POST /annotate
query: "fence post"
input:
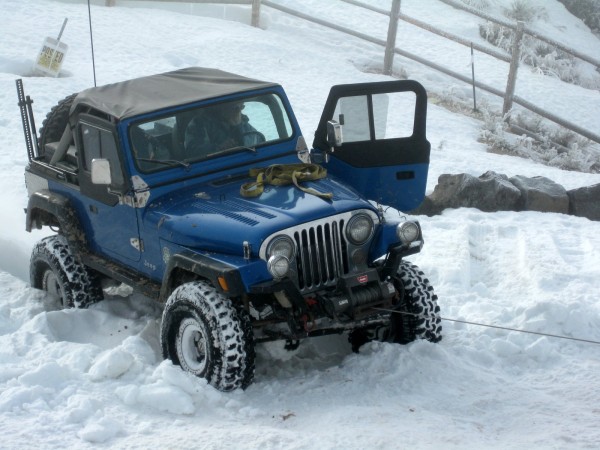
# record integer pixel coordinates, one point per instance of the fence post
(473, 78)
(388, 60)
(110, 2)
(512, 72)
(255, 22)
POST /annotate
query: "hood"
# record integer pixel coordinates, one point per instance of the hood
(215, 217)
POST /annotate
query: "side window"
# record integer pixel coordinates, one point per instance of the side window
(100, 143)
(267, 114)
(259, 115)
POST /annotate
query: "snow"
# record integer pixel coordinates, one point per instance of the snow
(95, 378)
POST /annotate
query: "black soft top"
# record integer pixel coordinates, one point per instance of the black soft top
(180, 87)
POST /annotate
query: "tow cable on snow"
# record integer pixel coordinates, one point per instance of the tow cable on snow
(589, 341)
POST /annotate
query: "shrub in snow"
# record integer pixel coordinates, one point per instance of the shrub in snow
(524, 11)
(542, 57)
(527, 135)
(533, 138)
(586, 10)
(477, 4)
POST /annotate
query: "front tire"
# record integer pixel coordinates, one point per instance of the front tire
(417, 299)
(54, 269)
(206, 335)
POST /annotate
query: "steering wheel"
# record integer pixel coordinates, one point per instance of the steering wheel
(258, 137)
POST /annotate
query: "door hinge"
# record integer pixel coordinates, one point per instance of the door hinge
(137, 243)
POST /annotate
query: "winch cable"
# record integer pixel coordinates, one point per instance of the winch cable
(498, 327)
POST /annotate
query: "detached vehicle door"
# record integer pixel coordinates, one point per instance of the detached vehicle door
(383, 151)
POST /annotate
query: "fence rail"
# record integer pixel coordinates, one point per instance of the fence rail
(526, 30)
(390, 47)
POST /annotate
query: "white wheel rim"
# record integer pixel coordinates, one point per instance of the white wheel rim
(191, 345)
(51, 285)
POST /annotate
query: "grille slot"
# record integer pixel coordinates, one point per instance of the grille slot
(321, 255)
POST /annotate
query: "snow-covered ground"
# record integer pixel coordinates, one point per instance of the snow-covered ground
(94, 378)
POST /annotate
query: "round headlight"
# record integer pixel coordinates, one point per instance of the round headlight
(278, 266)
(407, 232)
(281, 245)
(359, 229)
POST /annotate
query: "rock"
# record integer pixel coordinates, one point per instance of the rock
(585, 202)
(489, 192)
(496, 192)
(426, 208)
(541, 194)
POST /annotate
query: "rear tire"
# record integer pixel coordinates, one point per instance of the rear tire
(206, 335)
(54, 269)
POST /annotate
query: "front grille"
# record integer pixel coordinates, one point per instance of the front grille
(322, 254)
(322, 251)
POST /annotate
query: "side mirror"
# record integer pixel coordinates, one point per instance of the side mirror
(101, 172)
(334, 134)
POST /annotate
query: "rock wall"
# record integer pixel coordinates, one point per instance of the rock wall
(496, 192)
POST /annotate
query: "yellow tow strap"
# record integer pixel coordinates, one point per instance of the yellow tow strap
(282, 175)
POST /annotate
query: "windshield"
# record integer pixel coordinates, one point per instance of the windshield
(210, 131)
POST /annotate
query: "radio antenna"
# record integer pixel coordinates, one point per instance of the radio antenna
(92, 41)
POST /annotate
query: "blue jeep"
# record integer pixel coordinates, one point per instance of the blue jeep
(196, 188)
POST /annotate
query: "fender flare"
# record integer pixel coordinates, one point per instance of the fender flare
(202, 266)
(52, 209)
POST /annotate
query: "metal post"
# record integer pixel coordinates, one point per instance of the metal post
(92, 41)
(512, 73)
(58, 43)
(255, 21)
(473, 78)
(388, 60)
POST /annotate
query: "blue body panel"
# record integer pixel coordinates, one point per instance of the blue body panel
(252, 271)
(219, 219)
(383, 185)
(104, 226)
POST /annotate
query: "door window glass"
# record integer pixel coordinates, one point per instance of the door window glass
(100, 143)
(353, 114)
(392, 116)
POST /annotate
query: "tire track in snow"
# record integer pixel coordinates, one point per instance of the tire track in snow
(491, 243)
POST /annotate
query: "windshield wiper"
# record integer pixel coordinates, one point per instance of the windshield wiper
(232, 150)
(167, 162)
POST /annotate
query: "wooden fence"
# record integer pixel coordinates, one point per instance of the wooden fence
(391, 50)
